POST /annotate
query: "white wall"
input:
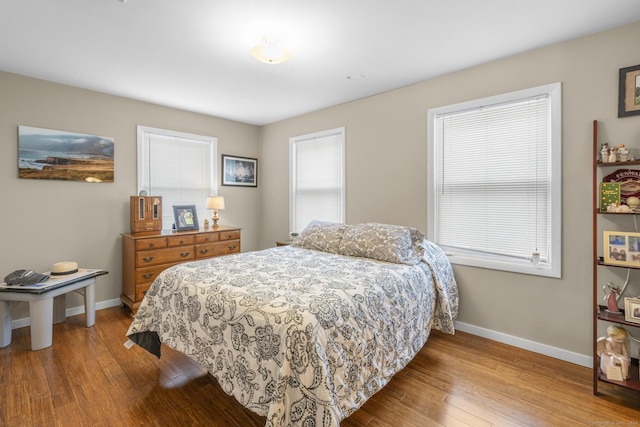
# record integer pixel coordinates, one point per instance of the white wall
(386, 168)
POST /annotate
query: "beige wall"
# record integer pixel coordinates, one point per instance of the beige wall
(47, 221)
(386, 168)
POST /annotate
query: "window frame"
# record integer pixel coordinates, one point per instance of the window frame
(293, 172)
(144, 133)
(553, 268)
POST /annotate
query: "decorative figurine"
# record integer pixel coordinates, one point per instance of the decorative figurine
(613, 155)
(604, 152)
(623, 152)
(613, 351)
(206, 223)
(617, 208)
(611, 294)
(633, 202)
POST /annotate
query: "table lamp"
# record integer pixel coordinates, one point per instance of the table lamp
(215, 203)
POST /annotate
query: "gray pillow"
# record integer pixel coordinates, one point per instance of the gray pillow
(384, 242)
(321, 236)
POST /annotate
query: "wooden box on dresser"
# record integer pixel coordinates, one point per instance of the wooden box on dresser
(145, 255)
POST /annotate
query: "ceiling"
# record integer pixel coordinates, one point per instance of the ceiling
(194, 54)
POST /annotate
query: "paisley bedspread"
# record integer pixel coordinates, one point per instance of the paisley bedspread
(301, 336)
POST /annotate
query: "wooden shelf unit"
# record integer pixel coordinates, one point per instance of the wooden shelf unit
(600, 314)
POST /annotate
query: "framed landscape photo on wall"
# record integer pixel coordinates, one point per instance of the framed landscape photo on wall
(621, 248)
(64, 156)
(185, 217)
(239, 171)
(629, 91)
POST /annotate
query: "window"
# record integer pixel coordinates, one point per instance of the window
(178, 166)
(316, 178)
(494, 192)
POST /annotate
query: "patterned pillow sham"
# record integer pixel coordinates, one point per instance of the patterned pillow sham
(384, 242)
(321, 236)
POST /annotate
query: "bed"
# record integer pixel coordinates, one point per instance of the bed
(304, 334)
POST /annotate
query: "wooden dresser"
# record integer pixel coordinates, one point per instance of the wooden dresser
(145, 255)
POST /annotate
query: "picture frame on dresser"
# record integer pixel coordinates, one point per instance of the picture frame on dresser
(186, 217)
(629, 91)
(632, 310)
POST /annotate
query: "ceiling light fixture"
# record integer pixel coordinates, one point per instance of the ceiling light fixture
(270, 51)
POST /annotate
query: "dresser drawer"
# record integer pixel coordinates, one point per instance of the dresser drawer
(154, 243)
(230, 235)
(207, 237)
(164, 256)
(141, 290)
(180, 240)
(205, 250)
(208, 250)
(149, 274)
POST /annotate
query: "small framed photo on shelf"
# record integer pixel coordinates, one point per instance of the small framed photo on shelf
(632, 309)
(239, 171)
(629, 91)
(185, 217)
(621, 248)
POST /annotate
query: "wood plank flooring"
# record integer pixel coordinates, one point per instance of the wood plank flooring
(88, 378)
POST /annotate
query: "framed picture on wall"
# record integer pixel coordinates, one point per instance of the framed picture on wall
(239, 171)
(629, 91)
(64, 156)
(185, 217)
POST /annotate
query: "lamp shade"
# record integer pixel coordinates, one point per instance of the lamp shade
(215, 202)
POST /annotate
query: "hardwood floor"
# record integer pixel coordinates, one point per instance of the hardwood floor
(88, 378)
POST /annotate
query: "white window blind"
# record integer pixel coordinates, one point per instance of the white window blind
(178, 166)
(496, 183)
(316, 178)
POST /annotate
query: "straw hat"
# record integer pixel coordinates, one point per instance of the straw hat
(65, 267)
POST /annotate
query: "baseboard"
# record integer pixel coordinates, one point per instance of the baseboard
(72, 311)
(557, 353)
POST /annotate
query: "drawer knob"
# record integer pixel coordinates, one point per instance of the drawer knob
(185, 254)
(151, 245)
(148, 259)
(148, 275)
(144, 292)
(204, 251)
(182, 242)
(232, 247)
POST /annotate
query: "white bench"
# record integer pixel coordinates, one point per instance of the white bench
(47, 305)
